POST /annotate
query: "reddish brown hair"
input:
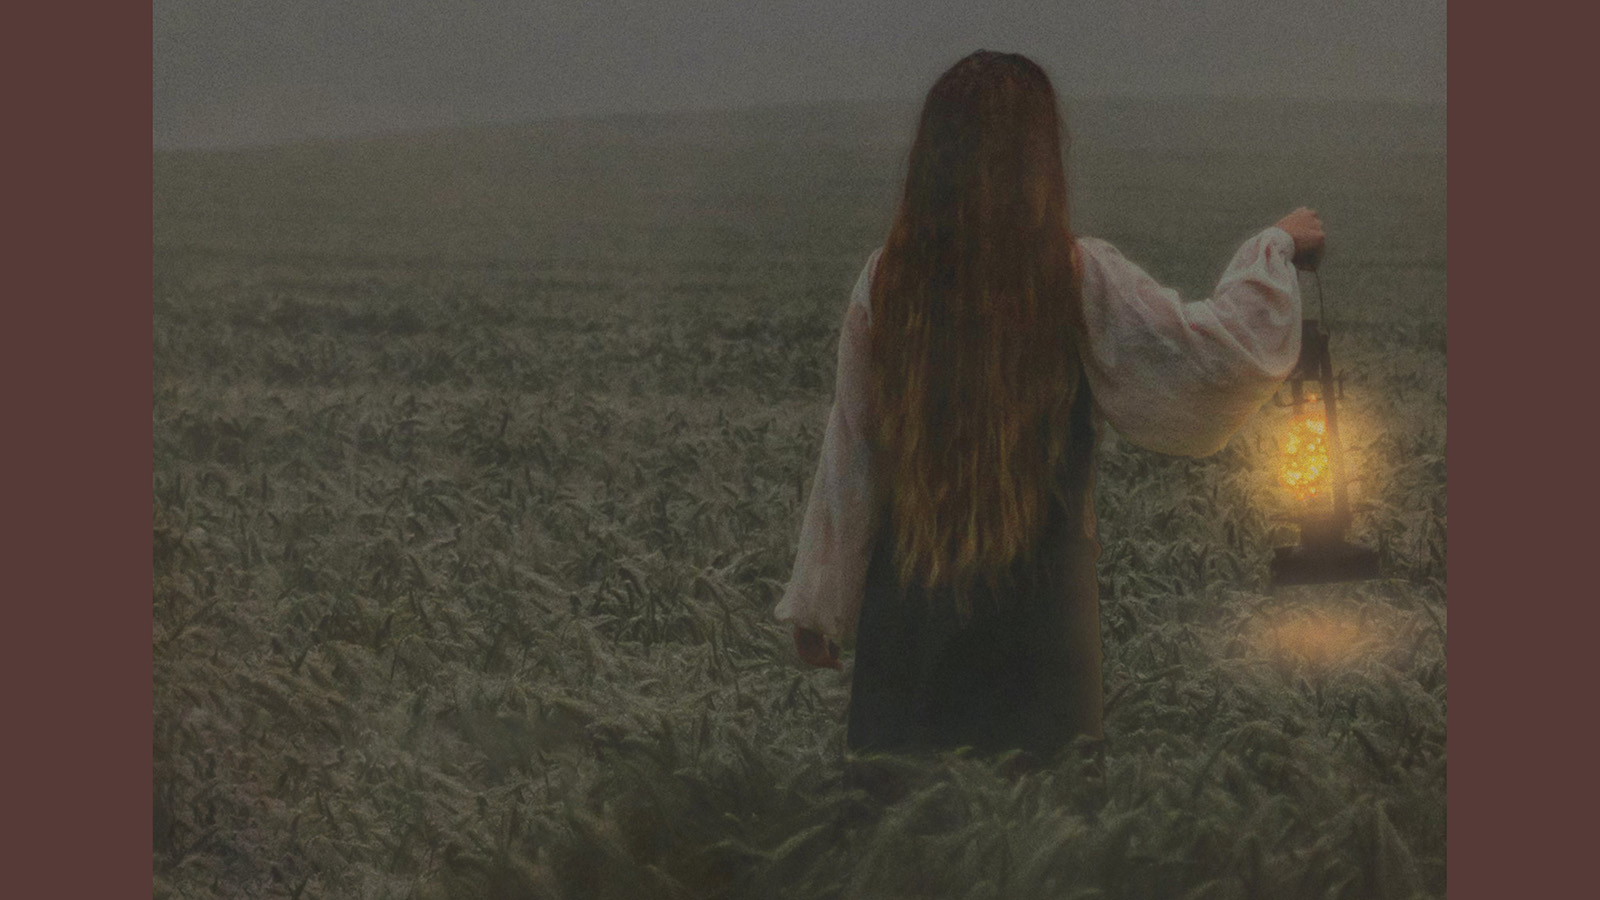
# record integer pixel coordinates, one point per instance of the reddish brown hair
(976, 316)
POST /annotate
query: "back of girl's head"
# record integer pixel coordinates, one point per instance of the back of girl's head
(974, 305)
(989, 146)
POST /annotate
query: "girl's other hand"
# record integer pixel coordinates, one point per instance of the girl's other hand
(1306, 228)
(815, 648)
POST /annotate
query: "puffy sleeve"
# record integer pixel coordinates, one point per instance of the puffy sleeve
(1181, 378)
(830, 569)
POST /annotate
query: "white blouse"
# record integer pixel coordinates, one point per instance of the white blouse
(1169, 376)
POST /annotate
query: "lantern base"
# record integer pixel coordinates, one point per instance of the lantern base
(1321, 563)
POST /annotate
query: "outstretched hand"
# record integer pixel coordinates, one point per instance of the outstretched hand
(1306, 228)
(816, 649)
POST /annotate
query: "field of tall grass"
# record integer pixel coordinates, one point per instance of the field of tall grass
(479, 462)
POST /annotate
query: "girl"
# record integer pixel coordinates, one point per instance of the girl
(950, 524)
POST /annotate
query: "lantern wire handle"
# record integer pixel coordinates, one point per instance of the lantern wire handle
(1322, 312)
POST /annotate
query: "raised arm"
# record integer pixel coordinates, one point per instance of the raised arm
(825, 591)
(1181, 378)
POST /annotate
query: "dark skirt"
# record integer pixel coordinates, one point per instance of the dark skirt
(1022, 672)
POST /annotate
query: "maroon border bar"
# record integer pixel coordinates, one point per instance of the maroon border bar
(78, 360)
(1521, 334)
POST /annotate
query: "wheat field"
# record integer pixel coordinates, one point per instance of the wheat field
(479, 462)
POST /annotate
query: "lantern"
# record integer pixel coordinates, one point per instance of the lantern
(1313, 472)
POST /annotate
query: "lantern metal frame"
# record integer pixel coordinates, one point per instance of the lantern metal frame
(1322, 555)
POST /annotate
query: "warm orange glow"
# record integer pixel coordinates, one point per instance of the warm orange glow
(1316, 639)
(1305, 466)
(1316, 629)
(1328, 636)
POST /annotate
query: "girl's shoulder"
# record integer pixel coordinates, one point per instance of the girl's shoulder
(1087, 250)
(861, 294)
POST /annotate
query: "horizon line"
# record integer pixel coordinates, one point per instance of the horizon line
(332, 137)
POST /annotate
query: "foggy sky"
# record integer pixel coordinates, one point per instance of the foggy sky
(250, 71)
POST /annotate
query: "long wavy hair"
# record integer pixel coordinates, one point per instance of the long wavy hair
(976, 322)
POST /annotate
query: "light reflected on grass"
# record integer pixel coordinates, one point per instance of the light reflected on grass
(1323, 635)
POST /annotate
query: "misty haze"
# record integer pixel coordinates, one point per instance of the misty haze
(492, 356)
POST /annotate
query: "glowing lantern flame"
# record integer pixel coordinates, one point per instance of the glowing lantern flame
(1305, 466)
(1314, 473)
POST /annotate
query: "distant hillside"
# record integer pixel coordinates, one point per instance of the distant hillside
(1175, 182)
